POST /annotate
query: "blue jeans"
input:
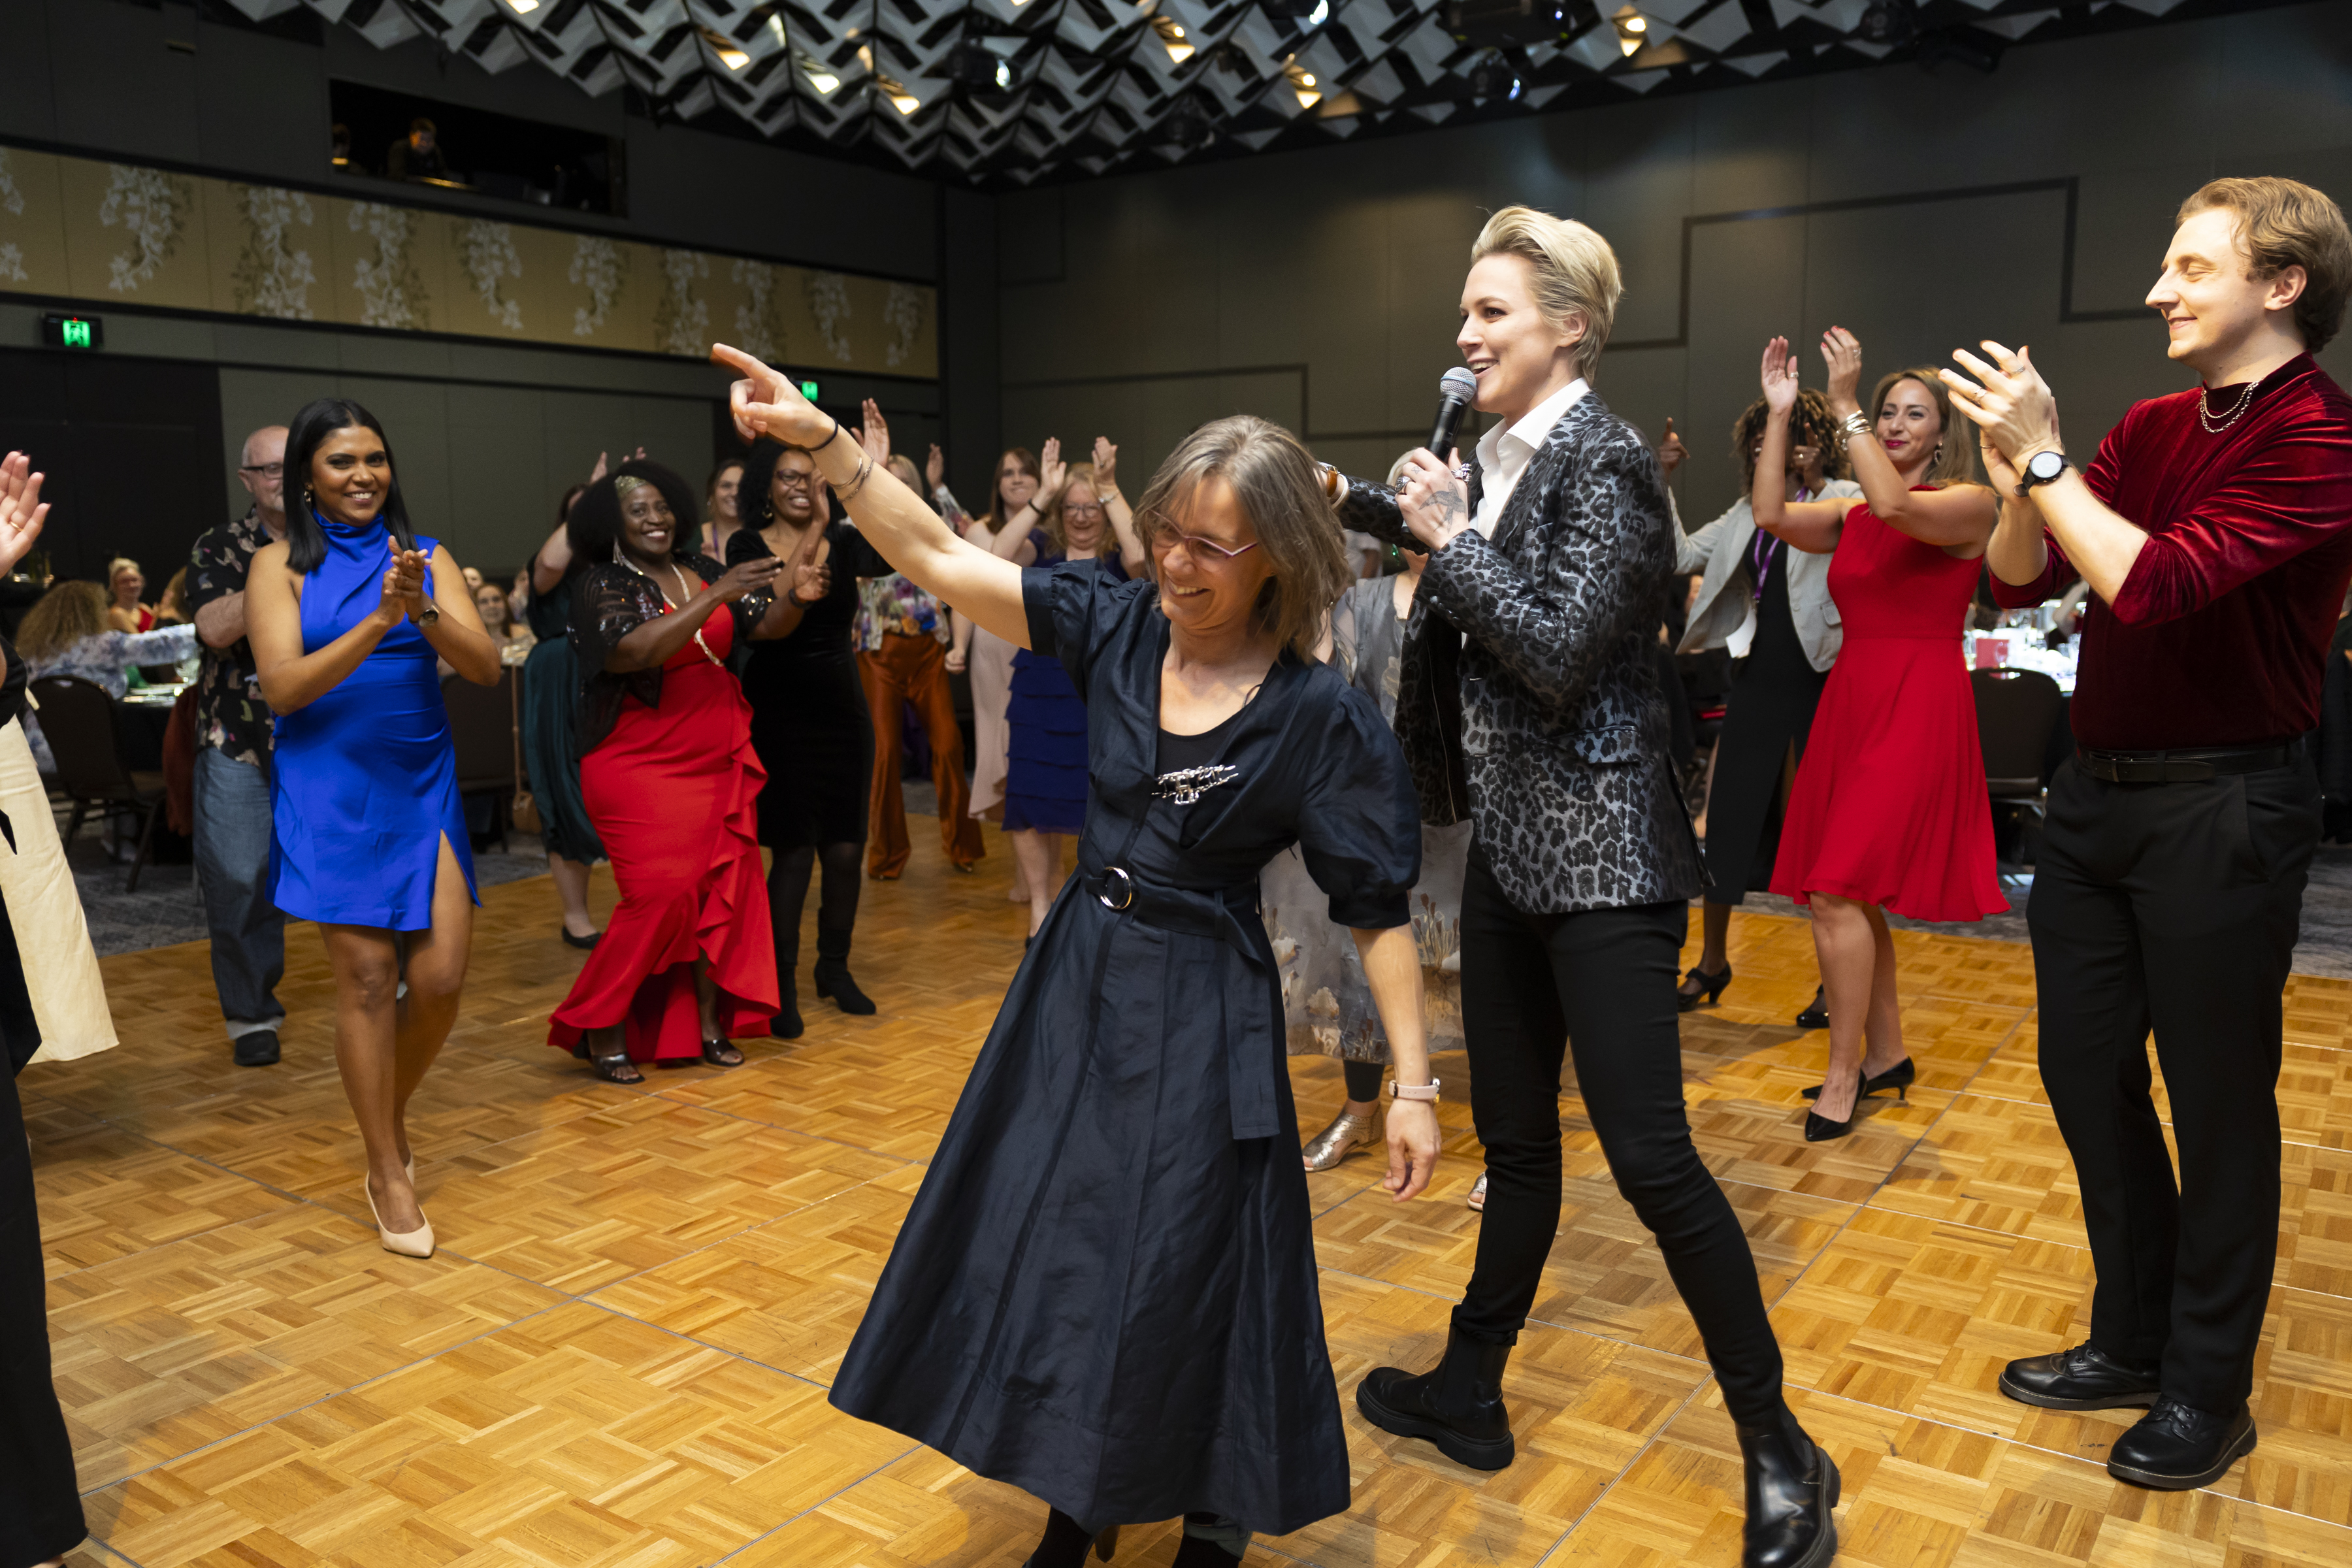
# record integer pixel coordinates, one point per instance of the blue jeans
(248, 935)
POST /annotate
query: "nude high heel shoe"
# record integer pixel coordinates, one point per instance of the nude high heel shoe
(418, 1243)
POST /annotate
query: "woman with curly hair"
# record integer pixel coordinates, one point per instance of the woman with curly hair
(1770, 607)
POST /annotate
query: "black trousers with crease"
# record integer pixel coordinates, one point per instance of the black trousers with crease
(2173, 906)
(1599, 983)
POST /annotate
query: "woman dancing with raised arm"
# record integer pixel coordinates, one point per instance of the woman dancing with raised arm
(1106, 1290)
(346, 616)
(1889, 808)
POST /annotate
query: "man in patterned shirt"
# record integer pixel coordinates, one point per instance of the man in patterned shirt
(232, 749)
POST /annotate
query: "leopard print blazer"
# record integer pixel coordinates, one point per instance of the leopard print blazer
(1528, 698)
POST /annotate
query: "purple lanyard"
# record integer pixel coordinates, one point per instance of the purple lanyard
(1760, 550)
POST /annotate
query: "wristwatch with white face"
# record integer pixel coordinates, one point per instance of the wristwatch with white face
(2040, 469)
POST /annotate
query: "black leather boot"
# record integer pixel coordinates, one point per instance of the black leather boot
(2083, 1378)
(832, 971)
(2175, 1448)
(786, 1025)
(1458, 1406)
(1792, 1488)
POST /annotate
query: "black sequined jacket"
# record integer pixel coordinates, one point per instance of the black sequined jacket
(1527, 699)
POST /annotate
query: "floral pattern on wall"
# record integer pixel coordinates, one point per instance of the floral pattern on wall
(902, 313)
(759, 316)
(486, 253)
(151, 207)
(391, 288)
(828, 302)
(272, 277)
(682, 320)
(600, 267)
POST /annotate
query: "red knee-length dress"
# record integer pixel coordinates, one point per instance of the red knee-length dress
(673, 793)
(1890, 805)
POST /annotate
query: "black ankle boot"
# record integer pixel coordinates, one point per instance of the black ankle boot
(787, 1024)
(1792, 1488)
(833, 972)
(1065, 1543)
(1458, 1406)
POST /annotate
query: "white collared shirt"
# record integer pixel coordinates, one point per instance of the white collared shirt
(1504, 453)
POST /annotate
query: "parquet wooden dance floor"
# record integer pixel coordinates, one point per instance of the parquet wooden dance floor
(619, 1357)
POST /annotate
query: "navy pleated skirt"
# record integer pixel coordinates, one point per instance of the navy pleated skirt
(1046, 761)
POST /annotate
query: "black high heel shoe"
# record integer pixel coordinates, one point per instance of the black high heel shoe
(1816, 1015)
(1710, 988)
(571, 940)
(1898, 1078)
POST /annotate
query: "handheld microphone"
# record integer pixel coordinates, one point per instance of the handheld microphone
(1456, 389)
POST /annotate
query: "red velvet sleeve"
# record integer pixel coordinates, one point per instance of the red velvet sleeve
(2292, 492)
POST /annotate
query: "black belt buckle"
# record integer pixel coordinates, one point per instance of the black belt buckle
(1126, 887)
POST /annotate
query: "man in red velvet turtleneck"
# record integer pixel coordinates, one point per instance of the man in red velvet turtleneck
(2215, 531)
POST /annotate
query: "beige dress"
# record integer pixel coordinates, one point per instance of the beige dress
(60, 969)
(991, 665)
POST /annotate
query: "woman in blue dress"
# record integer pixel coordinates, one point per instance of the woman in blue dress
(347, 616)
(1081, 517)
(1105, 1293)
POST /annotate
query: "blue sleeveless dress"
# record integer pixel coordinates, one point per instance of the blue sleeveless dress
(364, 785)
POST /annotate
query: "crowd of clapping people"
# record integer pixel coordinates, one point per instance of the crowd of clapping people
(1376, 770)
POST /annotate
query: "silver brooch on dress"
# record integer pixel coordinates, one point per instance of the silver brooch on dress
(1186, 785)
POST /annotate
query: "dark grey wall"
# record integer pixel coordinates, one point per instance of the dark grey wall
(1319, 289)
(488, 434)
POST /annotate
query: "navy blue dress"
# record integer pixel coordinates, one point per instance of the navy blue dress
(1046, 720)
(1105, 1293)
(364, 787)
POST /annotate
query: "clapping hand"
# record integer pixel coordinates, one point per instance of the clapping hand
(1434, 504)
(764, 402)
(1105, 466)
(1051, 474)
(22, 510)
(1671, 453)
(811, 568)
(2014, 407)
(935, 467)
(874, 434)
(748, 577)
(1842, 352)
(402, 596)
(1780, 376)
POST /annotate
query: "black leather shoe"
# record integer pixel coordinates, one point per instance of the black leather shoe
(1817, 1016)
(833, 980)
(1898, 1078)
(786, 1025)
(1792, 1491)
(581, 941)
(1459, 1406)
(2177, 1447)
(257, 1048)
(2083, 1378)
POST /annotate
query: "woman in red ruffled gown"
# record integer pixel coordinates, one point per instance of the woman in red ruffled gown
(1890, 809)
(670, 781)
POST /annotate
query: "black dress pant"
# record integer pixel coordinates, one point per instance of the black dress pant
(2173, 906)
(1600, 983)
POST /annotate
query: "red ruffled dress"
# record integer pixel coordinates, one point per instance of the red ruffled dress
(1890, 805)
(673, 794)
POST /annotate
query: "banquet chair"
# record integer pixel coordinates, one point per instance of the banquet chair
(77, 720)
(2016, 711)
(482, 733)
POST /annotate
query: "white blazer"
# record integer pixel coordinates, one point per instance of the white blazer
(1726, 598)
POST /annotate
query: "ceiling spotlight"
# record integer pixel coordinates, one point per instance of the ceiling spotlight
(775, 26)
(1492, 76)
(823, 80)
(1889, 22)
(523, 8)
(725, 48)
(1632, 30)
(1172, 39)
(973, 64)
(905, 102)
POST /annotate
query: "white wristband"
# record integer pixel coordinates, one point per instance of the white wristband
(1424, 1091)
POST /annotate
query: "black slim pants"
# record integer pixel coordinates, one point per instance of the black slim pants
(2173, 906)
(1600, 983)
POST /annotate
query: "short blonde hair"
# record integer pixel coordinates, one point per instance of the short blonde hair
(2283, 224)
(1575, 272)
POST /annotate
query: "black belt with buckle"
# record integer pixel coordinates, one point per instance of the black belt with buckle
(2191, 766)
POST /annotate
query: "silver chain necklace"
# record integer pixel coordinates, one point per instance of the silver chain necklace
(2205, 411)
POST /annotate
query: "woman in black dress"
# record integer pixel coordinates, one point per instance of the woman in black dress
(1106, 1291)
(810, 726)
(551, 749)
(40, 1506)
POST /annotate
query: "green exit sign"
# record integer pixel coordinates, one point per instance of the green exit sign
(59, 332)
(808, 390)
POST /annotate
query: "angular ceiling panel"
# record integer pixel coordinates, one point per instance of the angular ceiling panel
(1016, 89)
